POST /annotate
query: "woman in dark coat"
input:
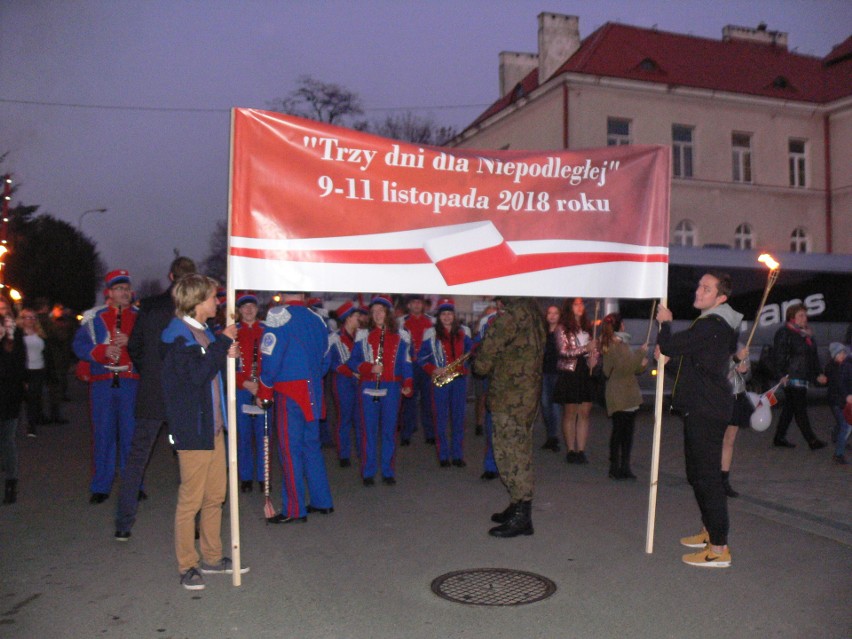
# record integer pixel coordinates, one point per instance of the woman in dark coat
(13, 370)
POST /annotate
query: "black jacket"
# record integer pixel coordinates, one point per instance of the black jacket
(155, 313)
(701, 372)
(187, 374)
(13, 369)
(794, 356)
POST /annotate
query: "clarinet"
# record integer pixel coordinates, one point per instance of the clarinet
(253, 377)
(116, 383)
(379, 360)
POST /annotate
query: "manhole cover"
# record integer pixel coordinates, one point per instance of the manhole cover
(493, 587)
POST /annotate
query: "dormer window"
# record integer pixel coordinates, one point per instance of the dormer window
(518, 93)
(649, 65)
(781, 83)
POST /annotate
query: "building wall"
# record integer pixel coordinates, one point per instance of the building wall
(711, 199)
(841, 181)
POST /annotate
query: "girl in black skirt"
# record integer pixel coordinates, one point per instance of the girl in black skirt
(574, 385)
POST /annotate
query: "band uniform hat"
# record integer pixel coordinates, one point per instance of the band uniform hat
(446, 304)
(346, 309)
(314, 302)
(414, 296)
(247, 298)
(384, 300)
(221, 296)
(118, 276)
(835, 348)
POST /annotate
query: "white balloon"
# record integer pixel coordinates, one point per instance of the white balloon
(761, 418)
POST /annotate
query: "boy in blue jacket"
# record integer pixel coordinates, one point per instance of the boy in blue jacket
(193, 367)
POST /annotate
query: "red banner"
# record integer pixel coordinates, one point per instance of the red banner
(316, 207)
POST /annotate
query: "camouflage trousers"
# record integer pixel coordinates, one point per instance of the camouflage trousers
(513, 455)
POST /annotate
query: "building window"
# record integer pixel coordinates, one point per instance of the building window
(685, 233)
(799, 241)
(744, 237)
(741, 147)
(682, 151)
(796, 149)
(617, 132)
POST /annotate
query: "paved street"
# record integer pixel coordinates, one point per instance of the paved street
(365, 571)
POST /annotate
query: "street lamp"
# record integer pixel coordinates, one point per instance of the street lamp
(84, 214)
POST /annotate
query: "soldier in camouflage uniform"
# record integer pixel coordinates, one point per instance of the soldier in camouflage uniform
(511, 356)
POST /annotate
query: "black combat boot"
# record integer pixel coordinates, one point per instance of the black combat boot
(520, 523)
(11, 495)
(506, 515)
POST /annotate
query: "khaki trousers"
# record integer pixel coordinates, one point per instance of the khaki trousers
(203, 487)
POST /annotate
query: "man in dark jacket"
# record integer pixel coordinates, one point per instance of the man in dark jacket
(155, 313)
(702, 396)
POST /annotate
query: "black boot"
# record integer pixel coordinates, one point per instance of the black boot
(506, 515)
(520, 523)
(11, 495)
(730, 492)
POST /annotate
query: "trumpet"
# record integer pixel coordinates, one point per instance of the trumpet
(453, 370)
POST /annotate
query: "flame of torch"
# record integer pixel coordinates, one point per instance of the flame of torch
(774, 269)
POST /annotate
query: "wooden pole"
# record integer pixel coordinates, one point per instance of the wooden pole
(233, 478)
(655, 455)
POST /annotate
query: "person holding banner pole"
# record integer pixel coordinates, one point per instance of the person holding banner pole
(703, 397)
(294, 360)
(381, 359)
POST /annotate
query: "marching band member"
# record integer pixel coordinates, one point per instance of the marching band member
(344, 383)
(294, 360)
(416, 322)
(442, 351)
(249, 426)
(101, 341)
(381, 358)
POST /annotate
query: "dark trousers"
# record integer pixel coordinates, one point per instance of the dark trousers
(795, 404)
(144, 437)
(702, 438)
(621, 440)
(33, 397)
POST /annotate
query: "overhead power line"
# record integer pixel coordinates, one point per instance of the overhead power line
(115, 107)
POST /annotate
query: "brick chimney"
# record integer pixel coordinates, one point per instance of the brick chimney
(558, 40)
(759, 35)
(514, 67)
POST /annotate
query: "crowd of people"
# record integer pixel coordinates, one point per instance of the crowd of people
(368, 376)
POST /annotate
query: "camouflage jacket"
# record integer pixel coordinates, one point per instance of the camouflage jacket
(511, 355)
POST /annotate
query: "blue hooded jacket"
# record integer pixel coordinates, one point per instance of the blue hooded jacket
(188, 371)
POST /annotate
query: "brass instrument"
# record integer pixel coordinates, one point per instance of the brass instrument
(453, 370)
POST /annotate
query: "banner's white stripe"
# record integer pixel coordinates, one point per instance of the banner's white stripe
(616, 279)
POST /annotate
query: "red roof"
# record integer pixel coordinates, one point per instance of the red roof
(735, 66)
